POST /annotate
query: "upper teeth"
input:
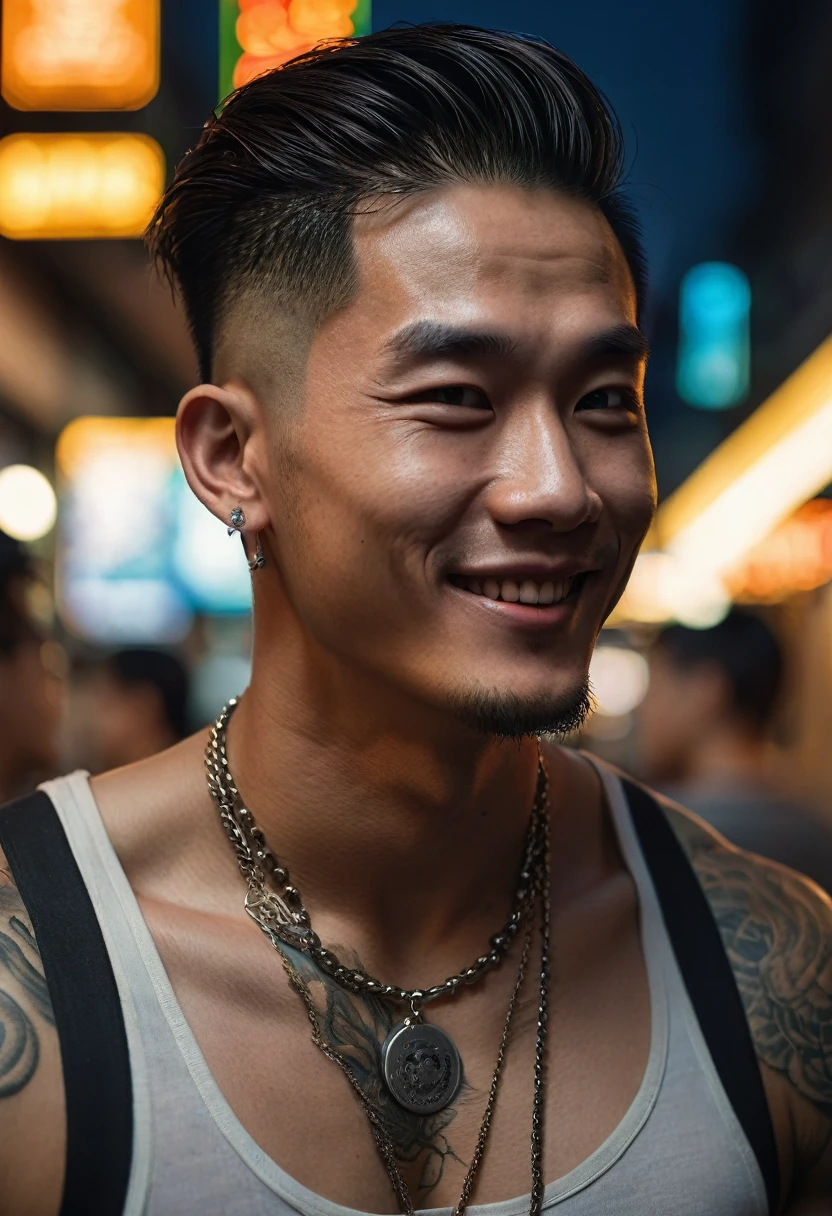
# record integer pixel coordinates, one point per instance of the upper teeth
(525, 591)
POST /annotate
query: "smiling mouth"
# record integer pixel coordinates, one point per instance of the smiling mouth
(522, 591)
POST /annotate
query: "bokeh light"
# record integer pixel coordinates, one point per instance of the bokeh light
(80, 54)
(795, 557)
(258, 35)
(619, 678)
(78, 186)
(137, 553)
(28, 507)
(664, 588)
(714, 348)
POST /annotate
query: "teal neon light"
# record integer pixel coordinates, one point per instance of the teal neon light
(714, 344)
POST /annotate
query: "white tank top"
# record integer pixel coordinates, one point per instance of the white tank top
(678, 1151)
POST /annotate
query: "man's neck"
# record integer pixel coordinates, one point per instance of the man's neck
(403, 830)
(366, 800)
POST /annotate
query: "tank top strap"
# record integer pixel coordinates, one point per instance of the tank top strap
(668, 887)
(85, 1004)
(103, 876)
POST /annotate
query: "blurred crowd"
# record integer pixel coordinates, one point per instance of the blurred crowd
(61, 710)
(705, 733)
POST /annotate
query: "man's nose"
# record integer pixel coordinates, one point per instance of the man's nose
(540, 478)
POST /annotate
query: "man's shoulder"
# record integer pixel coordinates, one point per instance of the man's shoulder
(776, 926)
(702, 841)
(25, 988)
(31, 1089)
(735, 878)
(138, 803)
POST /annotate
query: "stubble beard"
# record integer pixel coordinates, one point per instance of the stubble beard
(505, 715)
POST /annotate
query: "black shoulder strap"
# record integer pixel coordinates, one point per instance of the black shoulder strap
(708, 977)
(85, 1001)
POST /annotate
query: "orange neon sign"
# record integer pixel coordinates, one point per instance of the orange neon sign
(796, 556)
(73, 186)
(80, 54)
(268, 32)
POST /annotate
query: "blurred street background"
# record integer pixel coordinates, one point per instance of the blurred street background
(124, 615)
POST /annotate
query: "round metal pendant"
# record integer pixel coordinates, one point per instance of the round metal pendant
(422, 1068)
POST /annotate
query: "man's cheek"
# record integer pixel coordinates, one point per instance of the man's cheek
(631, 506)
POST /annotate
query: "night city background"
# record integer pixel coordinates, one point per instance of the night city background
(725, 107)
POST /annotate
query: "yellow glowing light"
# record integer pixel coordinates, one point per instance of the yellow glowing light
(271, 31)
(797, 556)
(80, 54)
(768, 467)
(619, 678)
(76, 186)
(28, 507)
(85, 440)
(663, 588)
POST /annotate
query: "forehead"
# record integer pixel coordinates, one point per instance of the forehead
(533, 260)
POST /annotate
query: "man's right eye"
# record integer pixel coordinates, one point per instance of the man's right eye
(456, 394)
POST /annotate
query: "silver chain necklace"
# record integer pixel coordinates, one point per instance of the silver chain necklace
(420, 1062)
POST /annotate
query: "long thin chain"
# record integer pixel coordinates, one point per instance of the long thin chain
(381, 1137)
(539, 1103)
(485, 1126)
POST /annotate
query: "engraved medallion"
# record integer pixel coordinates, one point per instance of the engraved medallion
(421, 1065)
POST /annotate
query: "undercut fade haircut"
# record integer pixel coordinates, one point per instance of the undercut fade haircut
(263, 204)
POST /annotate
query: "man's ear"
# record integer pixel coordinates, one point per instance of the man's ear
(221, 437)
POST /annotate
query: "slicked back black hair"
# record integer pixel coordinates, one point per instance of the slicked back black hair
(265, 199)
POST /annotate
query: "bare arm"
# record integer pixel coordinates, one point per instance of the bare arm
(777, 929)
(32, 1121)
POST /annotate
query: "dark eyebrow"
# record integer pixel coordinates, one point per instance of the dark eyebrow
(620, 342)
(434, 340)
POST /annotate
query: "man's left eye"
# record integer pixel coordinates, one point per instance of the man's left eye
(607, 399)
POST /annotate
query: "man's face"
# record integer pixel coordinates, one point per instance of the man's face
(471, 440)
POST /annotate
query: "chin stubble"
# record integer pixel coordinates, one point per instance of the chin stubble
(508, 716)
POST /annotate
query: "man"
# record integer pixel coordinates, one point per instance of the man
(31, 684)
(134, 704)
(704, 734)
(414, 293)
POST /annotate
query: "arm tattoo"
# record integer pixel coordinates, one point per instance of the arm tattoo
(20, 961)
(354, 1027)
(777, 930)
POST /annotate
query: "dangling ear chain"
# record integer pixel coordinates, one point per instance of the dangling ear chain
(237, 519)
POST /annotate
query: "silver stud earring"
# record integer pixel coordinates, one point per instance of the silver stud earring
(237, 519)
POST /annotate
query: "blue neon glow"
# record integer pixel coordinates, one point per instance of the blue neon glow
(212, 575)
(714, 343)
(140, 555)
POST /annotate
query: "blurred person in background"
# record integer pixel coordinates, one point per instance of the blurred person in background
(135, 705)
(705, 730)
(31, 684)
